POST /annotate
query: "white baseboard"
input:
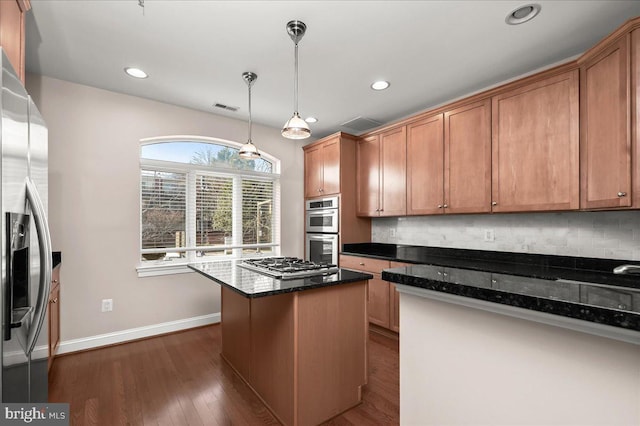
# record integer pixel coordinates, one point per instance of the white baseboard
(91, 342)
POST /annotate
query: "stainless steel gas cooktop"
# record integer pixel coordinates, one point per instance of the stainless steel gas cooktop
(288, 267)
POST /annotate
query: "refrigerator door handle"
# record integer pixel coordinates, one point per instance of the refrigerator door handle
(44, 240)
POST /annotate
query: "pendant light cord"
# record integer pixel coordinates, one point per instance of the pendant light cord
(295, 84)
(250, 84)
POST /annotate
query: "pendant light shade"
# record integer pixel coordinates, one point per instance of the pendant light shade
(249, 150)
(296, 127)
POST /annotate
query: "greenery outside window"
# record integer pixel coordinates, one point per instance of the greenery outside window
(200, 201)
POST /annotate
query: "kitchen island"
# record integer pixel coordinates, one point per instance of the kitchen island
(510, 338)
(300, 344)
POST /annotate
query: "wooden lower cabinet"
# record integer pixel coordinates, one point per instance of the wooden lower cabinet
(54, 315)
(383, 299)
(378, 305)
(303, 353)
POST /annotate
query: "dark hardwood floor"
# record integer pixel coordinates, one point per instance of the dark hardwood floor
(180, 379)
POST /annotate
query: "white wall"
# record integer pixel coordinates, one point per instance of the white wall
(609, 235)
(94, 203)
(463, 366)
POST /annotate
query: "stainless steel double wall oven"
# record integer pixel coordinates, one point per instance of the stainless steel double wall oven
(321, 225)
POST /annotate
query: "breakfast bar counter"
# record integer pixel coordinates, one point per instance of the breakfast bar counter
(300, 344)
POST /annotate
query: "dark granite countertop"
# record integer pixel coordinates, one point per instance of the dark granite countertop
(254, 284)
(573, 287)
(56, 258)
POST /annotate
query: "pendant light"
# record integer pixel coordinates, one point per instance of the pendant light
(296, 127)
(249, 150)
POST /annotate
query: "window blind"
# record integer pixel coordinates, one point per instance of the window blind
(163, 209)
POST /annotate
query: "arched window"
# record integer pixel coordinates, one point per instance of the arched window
(200, 201)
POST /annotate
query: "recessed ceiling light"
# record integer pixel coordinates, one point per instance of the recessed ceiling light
(379, 85)
(311, 120)
(136, 72)
(523, 14)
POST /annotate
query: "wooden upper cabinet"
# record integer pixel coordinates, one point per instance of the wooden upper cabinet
(605, 130)
(393, 172)
(425, 166)
(322, 168)
(368, 176)
(467, 158)
(12, 32)
(313, 172)
(331, 166)
(535, 141)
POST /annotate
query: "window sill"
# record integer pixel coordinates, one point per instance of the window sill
(162, 269)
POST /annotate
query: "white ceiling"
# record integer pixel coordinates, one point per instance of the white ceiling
(196, 51)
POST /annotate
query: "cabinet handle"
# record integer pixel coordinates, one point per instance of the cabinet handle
(55, 300)
(55, 281)
(494, 203)
(622, 306)
(361, 263)
(439, 206)
(622, 194)
(445, 206)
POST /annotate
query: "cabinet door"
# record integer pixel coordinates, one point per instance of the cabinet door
(368, 176)
(393, 172)
(605, 132)
(378, 305)
(425, 166)
(331, 166)
(313, 172)
(12, 32)
(535, 146)
(54, 320)
(467, 158)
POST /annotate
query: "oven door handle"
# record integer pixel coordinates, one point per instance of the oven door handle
(329, 212)
(322, 237)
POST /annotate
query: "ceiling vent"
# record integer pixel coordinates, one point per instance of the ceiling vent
(361, 124)
(227, 107)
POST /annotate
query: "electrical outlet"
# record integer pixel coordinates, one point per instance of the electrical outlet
(489, 235)
(392, 232)
(107, 305)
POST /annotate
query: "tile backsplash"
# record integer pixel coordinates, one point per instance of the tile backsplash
(612, 235)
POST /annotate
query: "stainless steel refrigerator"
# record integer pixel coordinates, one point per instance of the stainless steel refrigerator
(26, 244)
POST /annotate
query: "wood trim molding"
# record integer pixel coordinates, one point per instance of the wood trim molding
(341, 135)
(478, 97)
(622, 31)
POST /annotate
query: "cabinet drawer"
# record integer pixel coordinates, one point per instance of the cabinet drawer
(363, 263)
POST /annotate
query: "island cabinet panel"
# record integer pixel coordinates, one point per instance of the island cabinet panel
(272, 353)
(332, 347)
(236, 332)
(304, 353)
(605, 133)
(425, 166)
(467, 159)
(535, 146)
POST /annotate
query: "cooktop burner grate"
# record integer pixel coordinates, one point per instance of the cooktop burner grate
(288, 267)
